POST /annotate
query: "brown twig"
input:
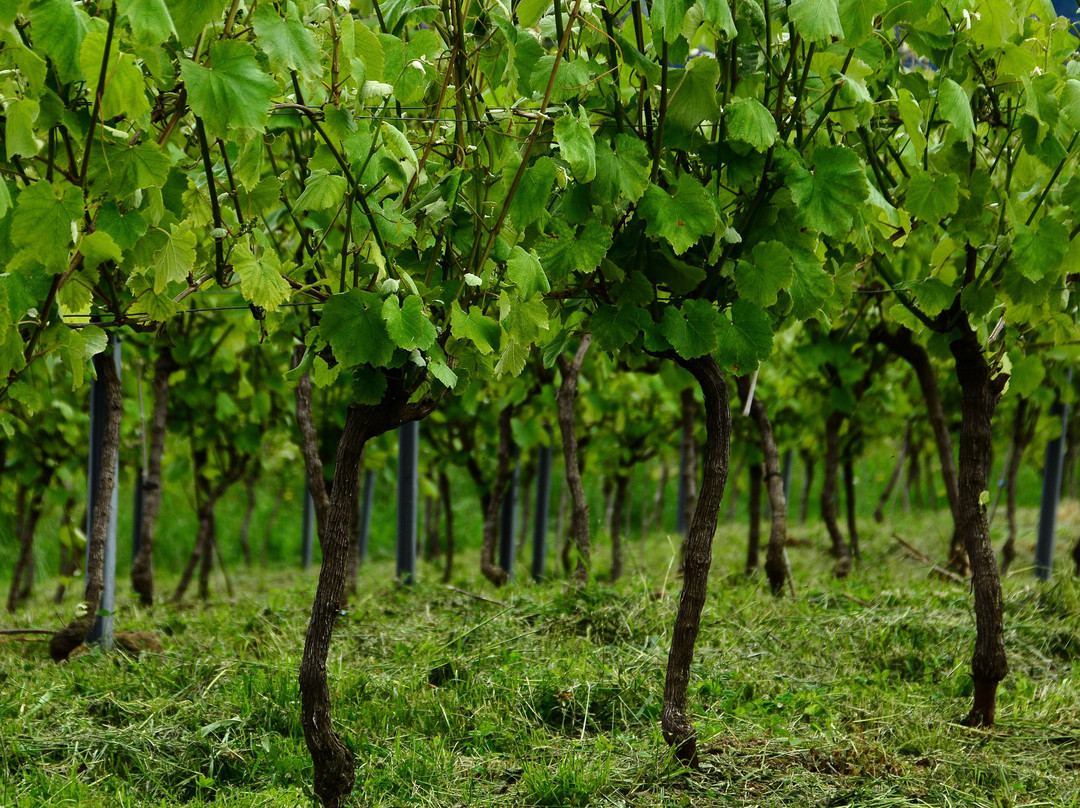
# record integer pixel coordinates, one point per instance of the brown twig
(478, 597)
(919, 556)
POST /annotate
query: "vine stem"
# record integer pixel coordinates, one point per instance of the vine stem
(215, 208)
(99, 94)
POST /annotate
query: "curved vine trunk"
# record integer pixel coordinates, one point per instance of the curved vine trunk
(980, 391)
(251, 481)
(840, 549)
(579, 514)
(1023, 431)
(493, 504)
(849, 503)
(676, 726)
(142, 566)
(332, 761)
(74, 633)
(309, 447)
(618, 521)
(689, 467)
(777, 567)
(807, 484)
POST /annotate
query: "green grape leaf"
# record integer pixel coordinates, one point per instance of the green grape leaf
(323, 190)
(512, 359)
(353, 325)
(745, 339)
(668, 15)
(99, 247)
(564, 251)
(477, 327)
(955, 107)
(191, 16)
(287, 42)
(407, 324)
(624, 170)
(58, 28)
(176, 260)
(691, 329)
(857, 19)
(719, 14)
(233, 93)
(19, 127)
(42, 221)
(150, 20)
(760, 279)
(828, 196)
(933, 295)
(125, 229)
(524, 320)
(122, 169)
(693, 95)
(575, 139)
(441, 371)
(816, 20)
(124, 93)
(932, 197)
(1039, 251)
(749, 121)
(523, 269)
(810, 287)
(157, 307)
(370, 51)
(529, 12)
(683, 218)
(261, 280)
(613, 328)
(531, 197)
(1026, 375)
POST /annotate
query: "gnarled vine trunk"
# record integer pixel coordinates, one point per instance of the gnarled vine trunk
(564, 400)
(332, 761)
(753, 542)
(1024, 424)
(618, 520)
(493, 504)
(689, 467)
(840, 550)
(142, 566)
(448, 514)
(894, 478)
(980, 391)
(74, 633)
(697, 558)
(777, 567)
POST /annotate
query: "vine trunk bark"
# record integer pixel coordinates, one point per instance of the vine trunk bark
(618, 521)
(1024, 423)
(676, 726)
(840, 550)
(74, 633)
(504, 464)
(579, 514)
(980, 391)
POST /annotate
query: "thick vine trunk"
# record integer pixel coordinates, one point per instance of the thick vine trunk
(676, 726)
(894, 478)
(142, 566)
(579, 514)
(840, 550)
(201, 550)
(618, 515)
(980, 391)
(753, 543)
(448, 515)
(1023, 431)
(849, 502)
(528, 472)
(75, 632)
(432, 537)
(504, 464)
(333, 763)
(777, 568)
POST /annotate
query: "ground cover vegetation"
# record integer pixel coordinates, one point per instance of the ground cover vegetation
(491, 216)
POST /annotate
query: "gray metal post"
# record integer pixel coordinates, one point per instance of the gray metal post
(307, 536)
(508, 519)
(365, 515)
(1051, 492)
(102, 632)
(407, 495)
(543, 505)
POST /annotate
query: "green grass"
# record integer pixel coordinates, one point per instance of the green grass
(554, 698)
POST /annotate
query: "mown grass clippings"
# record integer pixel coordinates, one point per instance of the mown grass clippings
(846, 697)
